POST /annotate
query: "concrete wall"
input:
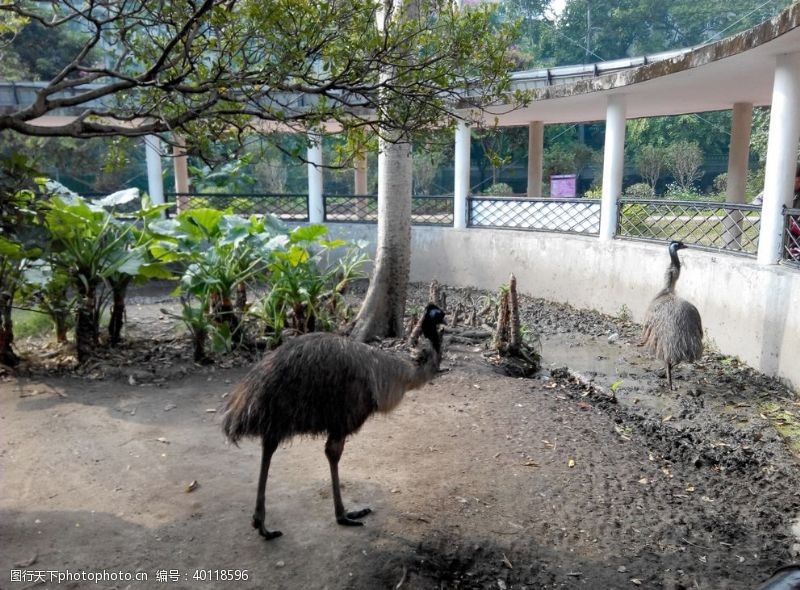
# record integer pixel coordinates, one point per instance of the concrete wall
(749, 311)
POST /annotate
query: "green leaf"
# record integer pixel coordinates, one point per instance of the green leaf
(118, 198)
(153, 270)
(308, 233)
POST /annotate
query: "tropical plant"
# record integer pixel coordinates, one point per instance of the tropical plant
(216, 254)
(99, 253)
(23, 238)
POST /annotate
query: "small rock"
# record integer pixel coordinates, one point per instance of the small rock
(613, 338)
(280, 564)
(169, 407)
(622, 569)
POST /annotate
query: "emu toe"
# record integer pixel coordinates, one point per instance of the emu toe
(349, 519)
(263, 531)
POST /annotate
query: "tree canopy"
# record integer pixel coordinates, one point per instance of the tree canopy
(213, 68)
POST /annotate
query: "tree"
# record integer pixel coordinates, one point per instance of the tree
(650, 160)
(684, 159)
(221, 68)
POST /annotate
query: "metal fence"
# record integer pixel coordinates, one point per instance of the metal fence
(351, 208)
(791, 237)
(288, 207)
(433, 210)
(581, 216)
(720, 226)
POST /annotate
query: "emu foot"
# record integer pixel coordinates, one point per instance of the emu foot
(262, 530)
(349, 518)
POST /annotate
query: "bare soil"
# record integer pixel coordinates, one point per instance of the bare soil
(591, 475)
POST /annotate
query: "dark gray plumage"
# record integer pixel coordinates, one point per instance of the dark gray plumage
(323, 384)
(673, 330)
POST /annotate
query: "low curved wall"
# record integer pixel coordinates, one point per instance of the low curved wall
(749, 311)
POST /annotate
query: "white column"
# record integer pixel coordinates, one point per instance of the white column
(535, 158)
(461, 175)
(784, 130)
(360, 179)
(180, 165)
(613, 162)
(741, 124)
(316, 208)
(155, 180)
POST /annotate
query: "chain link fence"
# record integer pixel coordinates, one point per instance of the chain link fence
(433, 210)
(720, 226)
(791, 237)
(288, 207)
(580, 216)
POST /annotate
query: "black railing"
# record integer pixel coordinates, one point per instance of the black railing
(720, 226)
(791, 236)
(580, 216)
(350, 208)
(432, 210)
(288, 207)
(435, 210)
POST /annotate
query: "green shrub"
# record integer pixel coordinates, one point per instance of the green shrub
(640, 190)
(499, 189)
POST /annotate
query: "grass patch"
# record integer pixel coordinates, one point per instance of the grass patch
(786, 422)
(30, 323)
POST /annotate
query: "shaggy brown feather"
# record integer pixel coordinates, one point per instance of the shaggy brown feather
(673, 330)
(323, 384)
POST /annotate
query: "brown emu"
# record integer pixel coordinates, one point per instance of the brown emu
(673, 331)
(323, 384)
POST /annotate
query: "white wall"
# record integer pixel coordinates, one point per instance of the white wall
(750, 311)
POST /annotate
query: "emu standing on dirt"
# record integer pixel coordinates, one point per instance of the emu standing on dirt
(323, 383)
(673, 331)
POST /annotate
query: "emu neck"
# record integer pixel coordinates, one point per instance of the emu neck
(673, 272)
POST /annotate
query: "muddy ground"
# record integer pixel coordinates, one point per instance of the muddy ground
(590, 475)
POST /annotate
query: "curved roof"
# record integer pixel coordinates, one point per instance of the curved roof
(710, 77)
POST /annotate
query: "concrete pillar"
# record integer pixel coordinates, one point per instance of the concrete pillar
(461, 174)
(360, 180)
(180, 164)
(535, 158)
(155, 180)
(613, 162)
(316, 206)
(784, 131)
(742, 122)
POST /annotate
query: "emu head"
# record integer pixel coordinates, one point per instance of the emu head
(675, 245)
(432, 317)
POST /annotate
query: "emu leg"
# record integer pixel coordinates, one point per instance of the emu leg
(333, 450)
(669, 375)
(268, 448)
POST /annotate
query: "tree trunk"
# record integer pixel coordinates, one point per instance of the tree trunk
(60, 319)
(200, 346)
(7, 355)
(381, 314)
(514, 329)
(86, 325)
(117, 311)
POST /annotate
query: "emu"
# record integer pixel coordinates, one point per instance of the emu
(323, 384)
(673, 331)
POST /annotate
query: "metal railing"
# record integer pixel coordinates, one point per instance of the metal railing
(288, 207)
(719, 226)
(435, 210)
(791, 237)
(580, 216)
(350, 208)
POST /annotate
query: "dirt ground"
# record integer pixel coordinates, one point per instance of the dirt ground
(591, 475)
